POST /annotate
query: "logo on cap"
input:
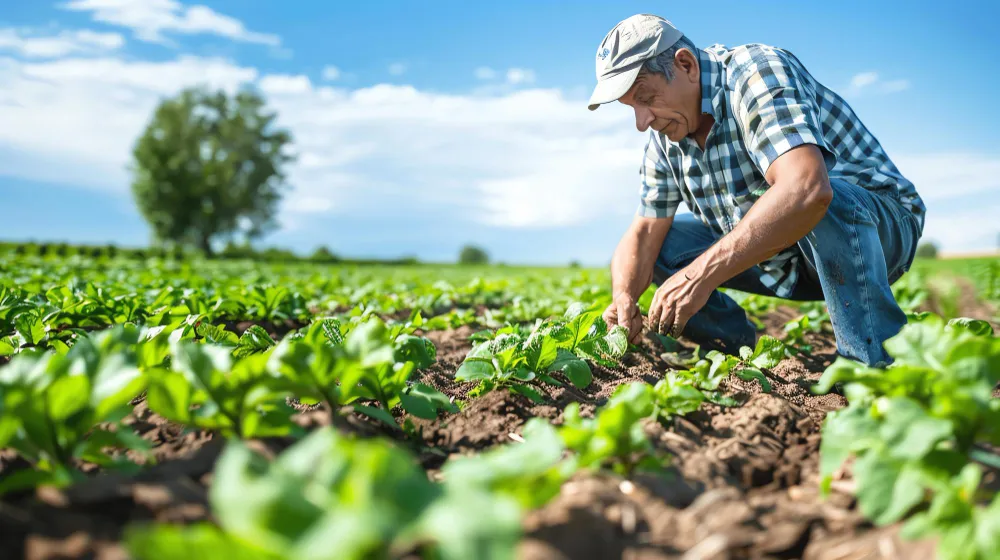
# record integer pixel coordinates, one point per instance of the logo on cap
(603, 54)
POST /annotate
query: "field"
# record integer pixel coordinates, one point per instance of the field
(158, 409)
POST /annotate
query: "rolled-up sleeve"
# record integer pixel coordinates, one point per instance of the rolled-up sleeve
(776, 110)
(659, 194)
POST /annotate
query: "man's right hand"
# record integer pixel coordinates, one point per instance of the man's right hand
(624, 311)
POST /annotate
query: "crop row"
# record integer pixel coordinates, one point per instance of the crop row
(67, 406)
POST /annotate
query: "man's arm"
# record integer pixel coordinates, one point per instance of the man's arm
(632, 270)
(797, 200)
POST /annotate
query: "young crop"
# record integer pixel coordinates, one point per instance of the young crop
(915, 428)
(371, 362)
(332, 497)
(206, 387)
(615, 437)
(52, 402)
(513, 357)
(682, 391)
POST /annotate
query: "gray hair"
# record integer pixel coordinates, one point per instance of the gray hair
(663, 63)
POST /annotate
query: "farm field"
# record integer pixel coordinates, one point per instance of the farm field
(157, 409)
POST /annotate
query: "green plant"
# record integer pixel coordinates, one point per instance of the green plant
(914, 429)
(329, 496)
(51, 404)
(512, 357)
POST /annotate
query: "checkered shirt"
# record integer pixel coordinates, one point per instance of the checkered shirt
(765, 103)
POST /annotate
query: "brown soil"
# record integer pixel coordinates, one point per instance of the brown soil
(742, 482)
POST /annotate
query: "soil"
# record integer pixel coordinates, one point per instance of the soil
(742, 482)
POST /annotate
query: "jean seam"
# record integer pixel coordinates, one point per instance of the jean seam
(866, 299)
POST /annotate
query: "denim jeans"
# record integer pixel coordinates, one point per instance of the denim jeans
(863, 244)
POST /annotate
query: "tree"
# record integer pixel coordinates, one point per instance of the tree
(210, 165)
(473, 255)
(323, 255)
(927, 250)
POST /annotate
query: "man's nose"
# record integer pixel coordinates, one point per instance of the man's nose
(643, 118)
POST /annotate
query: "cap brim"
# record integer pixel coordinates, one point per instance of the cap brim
(611, 89)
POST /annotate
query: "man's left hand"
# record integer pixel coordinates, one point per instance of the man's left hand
(677, 300)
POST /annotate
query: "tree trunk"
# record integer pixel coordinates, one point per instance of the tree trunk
(206, 246)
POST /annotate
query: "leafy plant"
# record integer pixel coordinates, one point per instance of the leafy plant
(206, 388)
(615, 437)
(329, 496)
(513, 357)
(914, 428)
(372, 362)
(52, 402)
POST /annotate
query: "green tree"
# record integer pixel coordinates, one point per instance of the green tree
(927, 250)
(209, 165)
(323, 255)
(471, 254)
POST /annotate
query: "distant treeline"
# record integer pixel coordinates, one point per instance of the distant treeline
(232, 251)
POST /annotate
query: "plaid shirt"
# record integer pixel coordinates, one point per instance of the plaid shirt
(765, 103)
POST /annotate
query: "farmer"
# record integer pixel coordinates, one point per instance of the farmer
(790, 195)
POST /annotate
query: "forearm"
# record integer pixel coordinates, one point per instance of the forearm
(781, 217)
(634, 259)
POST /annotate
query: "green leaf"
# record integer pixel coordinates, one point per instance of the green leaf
(473, 524)
(8, 346)
(254, 340)
(416, 349)
(529, 392)
(977, 327)
(424, 401)
(30, 327)
(749, 374)
(203, 541)
(844, 432)
(216, 334)
(377, 413)
(574, 368)
(170, 395)
(616, 342)
(888, 488)
(66, 396)
(541, 353)
(768, 353)
(907, 429)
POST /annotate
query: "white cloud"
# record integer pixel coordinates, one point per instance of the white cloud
(34, 45)
(517, 76)
(397, 69)
(80, 116)
(956, 187)
(941, 176)
(284, 84)
(331, 73)
(149, 19)
(485, 73)
(871, 82)
(864, 79)
(525, 159)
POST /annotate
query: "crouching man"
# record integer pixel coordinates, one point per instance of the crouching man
(790, 194)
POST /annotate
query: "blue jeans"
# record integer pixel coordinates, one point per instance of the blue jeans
(863, 244)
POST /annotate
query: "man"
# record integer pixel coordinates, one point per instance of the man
(791, 196)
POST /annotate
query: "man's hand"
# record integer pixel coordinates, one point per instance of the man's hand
(677, 300)
(624, 311)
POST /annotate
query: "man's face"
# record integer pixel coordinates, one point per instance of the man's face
(672, 108)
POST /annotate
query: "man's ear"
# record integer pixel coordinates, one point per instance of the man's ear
(686, 62)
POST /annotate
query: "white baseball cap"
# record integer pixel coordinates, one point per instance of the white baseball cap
(624, 49)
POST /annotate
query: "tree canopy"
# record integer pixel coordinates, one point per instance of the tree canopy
(210, 165)
(471, 254)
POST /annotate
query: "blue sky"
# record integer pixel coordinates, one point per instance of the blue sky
(423, 127)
